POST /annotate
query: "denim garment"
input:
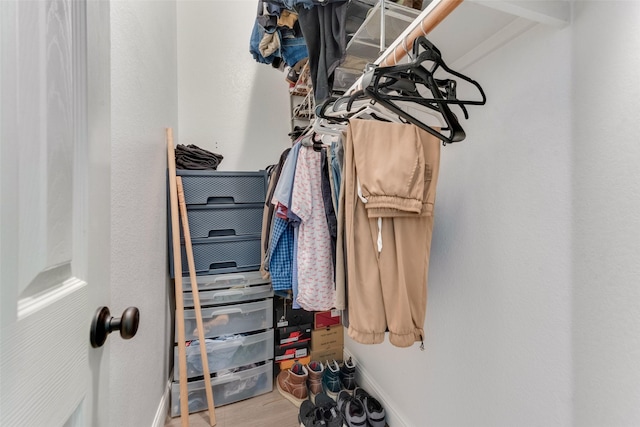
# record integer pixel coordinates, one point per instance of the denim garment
(283, 189)
(254, 45)
(293, 47)
(291, 4)
(337, 155)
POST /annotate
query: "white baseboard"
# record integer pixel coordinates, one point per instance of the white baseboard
(163, 408)
(368, 382)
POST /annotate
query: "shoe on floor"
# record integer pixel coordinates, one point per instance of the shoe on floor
(315, 370)
(352, 410)
(307, 414)
(374, 410)
(331, 379)
(329, 411)
(348, 376)
(292, 384)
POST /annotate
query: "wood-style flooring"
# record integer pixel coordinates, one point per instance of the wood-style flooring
(267, 410)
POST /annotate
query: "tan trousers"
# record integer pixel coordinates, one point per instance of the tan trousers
(396, 167)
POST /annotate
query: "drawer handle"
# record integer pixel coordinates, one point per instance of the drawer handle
(221, 265)
(219, 200)
(222, 233)
(226, 311)
(222, 294)
(229, 277)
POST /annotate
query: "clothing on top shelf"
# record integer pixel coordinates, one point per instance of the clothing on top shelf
(196, 158)
(275, 36)
(323, 28)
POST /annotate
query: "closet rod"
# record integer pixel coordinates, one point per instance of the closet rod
(433, 15)
(421, 28)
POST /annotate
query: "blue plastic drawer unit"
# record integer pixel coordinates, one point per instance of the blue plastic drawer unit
(217, 255)
(213, 187)
(225, 220)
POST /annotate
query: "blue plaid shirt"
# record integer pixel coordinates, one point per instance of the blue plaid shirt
(281, 255)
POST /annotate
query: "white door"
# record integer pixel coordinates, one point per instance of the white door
(54, 211)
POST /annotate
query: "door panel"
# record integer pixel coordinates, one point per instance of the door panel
(49, 219)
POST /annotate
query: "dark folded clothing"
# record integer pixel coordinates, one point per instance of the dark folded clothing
(194, 157)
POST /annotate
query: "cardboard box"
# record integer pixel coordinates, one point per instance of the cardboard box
(292, 351)
(289, 363)
(291, 334)
(324, 319)
(332, 353)
(327, 338)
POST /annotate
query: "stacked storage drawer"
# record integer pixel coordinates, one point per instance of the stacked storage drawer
(225, 220)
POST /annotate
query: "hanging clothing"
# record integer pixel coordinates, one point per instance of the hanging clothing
(341, 260)
(323, 28)
(388, 218)
(327, 199)
(315, 269)
(281, 254)
(267, 216)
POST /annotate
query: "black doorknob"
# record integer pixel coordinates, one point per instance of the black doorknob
(103, 324)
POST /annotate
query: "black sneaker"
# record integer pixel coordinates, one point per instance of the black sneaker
(307, 414)
(329, 412)
(348, 376)
(374, 410)
(352, 410)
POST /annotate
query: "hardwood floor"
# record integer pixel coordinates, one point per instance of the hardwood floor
(267, 410)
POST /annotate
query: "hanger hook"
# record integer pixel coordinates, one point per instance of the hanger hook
(404, 45)
(422, 28)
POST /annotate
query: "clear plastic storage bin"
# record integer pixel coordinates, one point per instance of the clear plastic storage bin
(227, 388)
(233, 295)
(227, 353)
(229, 319)
(222, 281)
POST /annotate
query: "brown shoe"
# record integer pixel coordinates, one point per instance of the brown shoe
(315, 370)
(292, 384)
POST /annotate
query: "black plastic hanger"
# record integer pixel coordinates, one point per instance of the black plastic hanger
(403, 79)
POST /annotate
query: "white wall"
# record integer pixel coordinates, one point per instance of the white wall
(228, 103)
(498, 326)
(144, 102)
(606, 227)
(533, 314)
(225, 97)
